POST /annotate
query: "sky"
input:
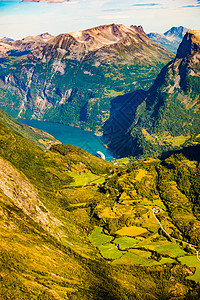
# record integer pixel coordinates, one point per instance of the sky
(21, 18)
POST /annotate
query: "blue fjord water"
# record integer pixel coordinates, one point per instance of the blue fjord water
(71, 135)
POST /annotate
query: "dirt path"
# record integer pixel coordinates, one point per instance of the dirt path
(173, 239)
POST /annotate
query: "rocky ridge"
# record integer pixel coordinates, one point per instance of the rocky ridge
(8, 47)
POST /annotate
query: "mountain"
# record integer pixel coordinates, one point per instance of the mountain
(74, 226)
(6, 39)
(176, 32)
(71, 78)
(168, 116)
(170, 39)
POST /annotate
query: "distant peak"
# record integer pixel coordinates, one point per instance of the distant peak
(6, 39)
(190, 44)
(46, 35)
(179, 31)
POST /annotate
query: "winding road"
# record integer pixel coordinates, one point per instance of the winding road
(171, 238)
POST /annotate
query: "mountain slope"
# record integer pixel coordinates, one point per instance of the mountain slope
(64, 241)
(71, 78)
(36, 136)
(171, 39)
(168, 118)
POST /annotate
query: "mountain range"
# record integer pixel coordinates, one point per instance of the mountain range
(170, 39)
(167, 116)
(71, 78)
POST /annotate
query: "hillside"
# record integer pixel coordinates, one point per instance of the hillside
(168, 116)
(170, 39)
(38, 137)
(71, 78)
(65, 238)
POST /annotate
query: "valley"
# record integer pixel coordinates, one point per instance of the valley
(76, 226)
(63, 236)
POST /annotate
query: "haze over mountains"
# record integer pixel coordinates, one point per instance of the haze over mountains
(170, 39)
(71, 78)
(167, 116)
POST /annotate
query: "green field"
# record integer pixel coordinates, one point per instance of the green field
(131, 231)
(85, 178)
(191, 261)
(138, 257)
(125, 242)
(110, 251)
(98, 238)
(173, 250)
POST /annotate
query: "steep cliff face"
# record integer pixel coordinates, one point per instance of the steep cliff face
(116, 131)
(71, 78)
(169, 116)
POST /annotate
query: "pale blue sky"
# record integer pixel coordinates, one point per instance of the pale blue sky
(19, 19)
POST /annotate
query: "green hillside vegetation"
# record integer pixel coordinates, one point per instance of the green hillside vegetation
(167, 117)
(38, 137)
(60, 239)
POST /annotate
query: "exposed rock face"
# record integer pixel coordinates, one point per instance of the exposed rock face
(96, 38)
(169, 116)
(170, 39)
(18, 188)
(71, 78)
(190, 44)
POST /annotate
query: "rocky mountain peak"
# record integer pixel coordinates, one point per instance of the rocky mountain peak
(176, 32)
(40, 37)
(6, 39)
(190, 44)
(100, 36)
(170, 39)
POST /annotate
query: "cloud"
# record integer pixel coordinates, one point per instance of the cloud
(145, 4)
(197, 5)
(49, 1)
(112, 10)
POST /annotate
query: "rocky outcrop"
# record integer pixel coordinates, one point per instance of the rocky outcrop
(18, 188)
(21, 47)
(190, 44)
